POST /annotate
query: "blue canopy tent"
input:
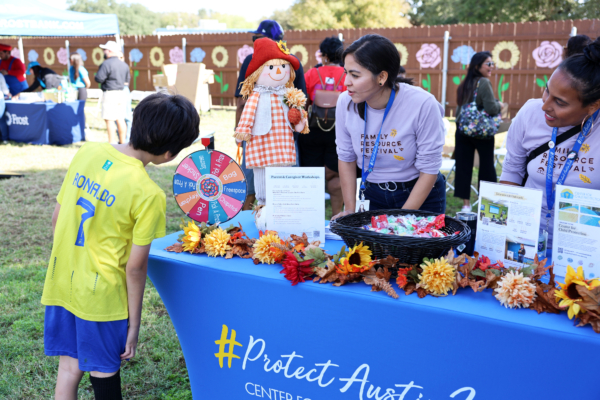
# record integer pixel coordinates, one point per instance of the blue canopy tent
(33, 18)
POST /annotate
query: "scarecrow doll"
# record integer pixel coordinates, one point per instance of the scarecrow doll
(274, 110)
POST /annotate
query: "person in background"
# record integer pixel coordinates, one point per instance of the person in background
(318, 147)
(43, 77)
(402, 72)
(571, 98)
(79, 76)
(4, 95)
(576, 44)
(112, 75)
(521, 253)
(128, 109)
(477, 79)
(404, 172)
(13, 70)
(272, 30)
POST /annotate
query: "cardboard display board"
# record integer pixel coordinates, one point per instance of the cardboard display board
(190, 80)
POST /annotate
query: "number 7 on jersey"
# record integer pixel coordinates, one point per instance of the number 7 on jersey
(89, 213)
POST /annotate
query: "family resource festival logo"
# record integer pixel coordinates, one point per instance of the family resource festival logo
(323, 373)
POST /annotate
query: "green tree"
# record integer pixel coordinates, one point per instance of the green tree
(134, 19)
(339, 14)
(437, 12)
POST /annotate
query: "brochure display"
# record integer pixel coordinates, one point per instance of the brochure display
(508, 224)
(576, 239)
(295, 201)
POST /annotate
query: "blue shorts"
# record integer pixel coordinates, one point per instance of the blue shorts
(97, 345)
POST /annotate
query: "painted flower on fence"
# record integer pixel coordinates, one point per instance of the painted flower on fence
(97, 56)
(63, 57)
(135, 55)
(403, 51)
(318, 57)
(548, 55)
(197, 55)
(244, 52)
(176, 55)
(49, 56)
(462, 54)
(429, 56)
(299, 48)
(514, 51)
(82, 53)
(224, 56)
(32, 55)
(15, 53)
(157, 57)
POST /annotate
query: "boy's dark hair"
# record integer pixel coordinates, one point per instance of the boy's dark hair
(576, 44)
(332, 48)
(464, 92)
(584, 70)
(377, 53)
(163, 122)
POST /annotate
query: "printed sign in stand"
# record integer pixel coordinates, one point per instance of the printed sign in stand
(576, 239)
(296, 201)
(508, 224)
(209, 186)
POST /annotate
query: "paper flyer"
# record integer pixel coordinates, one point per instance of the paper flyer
(508, 224)
(576, 239)
(296, 201)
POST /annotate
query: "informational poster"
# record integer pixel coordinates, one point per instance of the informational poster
(576, 239)
(296, 201)
(508, 224)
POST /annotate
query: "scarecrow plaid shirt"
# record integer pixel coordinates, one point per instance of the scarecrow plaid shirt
(276, 148)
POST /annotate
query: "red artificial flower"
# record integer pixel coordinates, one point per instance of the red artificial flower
(296, 271)
(483, 263)
(401, 281)
(440, 221)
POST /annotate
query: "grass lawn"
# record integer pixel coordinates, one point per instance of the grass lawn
(26, 204)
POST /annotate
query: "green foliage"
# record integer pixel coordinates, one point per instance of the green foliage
(427, 83)
(542, 82)
(340, 14)
(502, 87)
(232, 21)
(458, 80)
(438, 12)
(317, 255)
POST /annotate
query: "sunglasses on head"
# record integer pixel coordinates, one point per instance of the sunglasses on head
(490, 64)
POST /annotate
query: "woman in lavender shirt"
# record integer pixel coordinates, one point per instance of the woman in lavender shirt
(571, 97)
(406, 171)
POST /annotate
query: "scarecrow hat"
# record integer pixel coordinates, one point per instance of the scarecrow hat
(266, 49)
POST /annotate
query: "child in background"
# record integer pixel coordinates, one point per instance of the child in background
(108, 213)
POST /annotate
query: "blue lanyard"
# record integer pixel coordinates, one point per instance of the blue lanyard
(366, 173)
(550, 191)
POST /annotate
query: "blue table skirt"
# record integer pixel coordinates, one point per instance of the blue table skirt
(463, 347)
(46, 122)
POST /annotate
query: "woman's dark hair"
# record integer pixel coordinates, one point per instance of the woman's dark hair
(162, 123)
(377, 54)
(465, 90)
(36, 70)
(77, 63)
(401, 70)
(332, 48)
(576, 44)
(584, 70)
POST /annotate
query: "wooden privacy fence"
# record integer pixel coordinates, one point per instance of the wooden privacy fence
(525, 54)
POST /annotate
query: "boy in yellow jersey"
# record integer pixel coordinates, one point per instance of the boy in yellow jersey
(108, 213)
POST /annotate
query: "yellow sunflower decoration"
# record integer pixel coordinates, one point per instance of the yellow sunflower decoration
(191, 238)
(358, 259)
(437, 276)
(299, 48)
(262, 247)
(216, 243)
(283, 47)
(568, 294)
(515, 53)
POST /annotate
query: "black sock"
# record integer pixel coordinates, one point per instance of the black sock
(107, 388)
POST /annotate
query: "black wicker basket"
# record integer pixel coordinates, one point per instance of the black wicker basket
(408, 249)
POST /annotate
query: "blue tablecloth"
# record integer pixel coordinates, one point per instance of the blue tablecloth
(46, 122)
(320, 342)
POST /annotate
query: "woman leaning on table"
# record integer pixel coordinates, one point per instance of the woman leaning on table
(569, 107)
(402, 155)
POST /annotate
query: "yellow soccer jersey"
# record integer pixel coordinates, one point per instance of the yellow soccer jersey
(108, 202)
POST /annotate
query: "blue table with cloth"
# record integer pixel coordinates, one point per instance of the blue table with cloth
(45, 122)
(247, 333)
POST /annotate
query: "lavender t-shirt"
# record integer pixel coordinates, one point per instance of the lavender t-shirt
(411, 141)
(529, 131)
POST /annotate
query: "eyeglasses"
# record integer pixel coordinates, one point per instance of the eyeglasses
(256, 37)
(490, 64)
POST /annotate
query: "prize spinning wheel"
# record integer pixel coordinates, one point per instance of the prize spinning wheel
(209, 186)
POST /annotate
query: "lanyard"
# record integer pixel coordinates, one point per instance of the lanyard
(550, 191)
(365, 173)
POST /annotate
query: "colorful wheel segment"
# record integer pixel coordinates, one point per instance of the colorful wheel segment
(210, 187)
